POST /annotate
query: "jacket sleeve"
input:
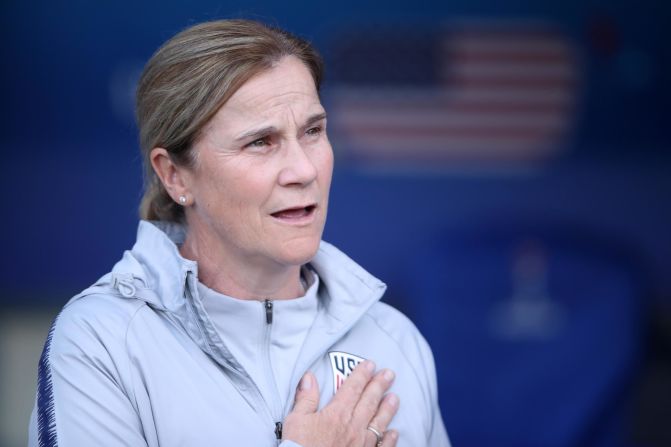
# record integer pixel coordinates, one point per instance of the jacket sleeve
(81, 397)
(438, 433)
(412, 346)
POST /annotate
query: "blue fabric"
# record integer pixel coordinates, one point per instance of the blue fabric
(46, 418)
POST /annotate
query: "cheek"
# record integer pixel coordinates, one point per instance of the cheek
(326, 168)
(215, 195)
(248, 193)
(324, 160)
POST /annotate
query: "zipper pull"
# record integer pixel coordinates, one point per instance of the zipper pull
(269, 311)
(278, 430)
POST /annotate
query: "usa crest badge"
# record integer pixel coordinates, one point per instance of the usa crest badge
(343, 364)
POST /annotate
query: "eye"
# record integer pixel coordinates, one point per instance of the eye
(261, 142)
(314, 131)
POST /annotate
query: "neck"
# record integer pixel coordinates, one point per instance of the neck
(237, 276)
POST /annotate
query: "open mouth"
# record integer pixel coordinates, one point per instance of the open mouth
(295, 213)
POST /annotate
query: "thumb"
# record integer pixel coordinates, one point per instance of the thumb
(307, 395)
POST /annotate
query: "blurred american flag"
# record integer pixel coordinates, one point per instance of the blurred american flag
(481, 91)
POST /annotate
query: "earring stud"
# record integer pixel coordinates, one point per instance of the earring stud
(182, 200)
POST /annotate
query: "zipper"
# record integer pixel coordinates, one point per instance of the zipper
(268, 306)
(269, 311)
(192, 306)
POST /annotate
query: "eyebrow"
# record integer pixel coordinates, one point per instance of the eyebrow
(315, 118)
(263, 131)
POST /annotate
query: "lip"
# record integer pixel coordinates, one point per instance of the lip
(299, 215)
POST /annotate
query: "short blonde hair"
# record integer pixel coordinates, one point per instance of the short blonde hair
(189, 78)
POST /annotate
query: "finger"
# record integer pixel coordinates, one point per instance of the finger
(390, 439)
(372, 396)
(371, 437)
(385, 412)
(350, 392)
(307, 395)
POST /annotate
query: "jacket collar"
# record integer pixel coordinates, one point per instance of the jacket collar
(159, 274)
(154, 268)
(155, 272)
(349, 289)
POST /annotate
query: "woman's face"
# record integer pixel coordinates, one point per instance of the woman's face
(261, 179)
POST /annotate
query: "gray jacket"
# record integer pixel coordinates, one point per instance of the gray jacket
(134, 360)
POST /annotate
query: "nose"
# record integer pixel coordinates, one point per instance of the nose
(298, 166)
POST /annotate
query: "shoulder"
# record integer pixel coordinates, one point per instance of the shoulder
(412, 361)
(84, 373)
(93, 323)
(394, 323)
(404, 334)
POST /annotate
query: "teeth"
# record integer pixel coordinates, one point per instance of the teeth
(292, 213)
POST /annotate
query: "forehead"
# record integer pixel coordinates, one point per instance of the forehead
(286, 87)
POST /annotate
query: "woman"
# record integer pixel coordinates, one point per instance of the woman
(230, 322)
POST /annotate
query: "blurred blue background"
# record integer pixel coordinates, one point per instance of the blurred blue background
(525, 231)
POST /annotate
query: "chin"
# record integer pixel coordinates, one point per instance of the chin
(300, 252)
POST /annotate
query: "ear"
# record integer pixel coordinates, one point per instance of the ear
(175, 178)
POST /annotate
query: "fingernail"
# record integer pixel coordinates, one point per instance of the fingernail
(393, 434)
(306, 383)
(369, 365)
(388, 375)
(393, 400)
